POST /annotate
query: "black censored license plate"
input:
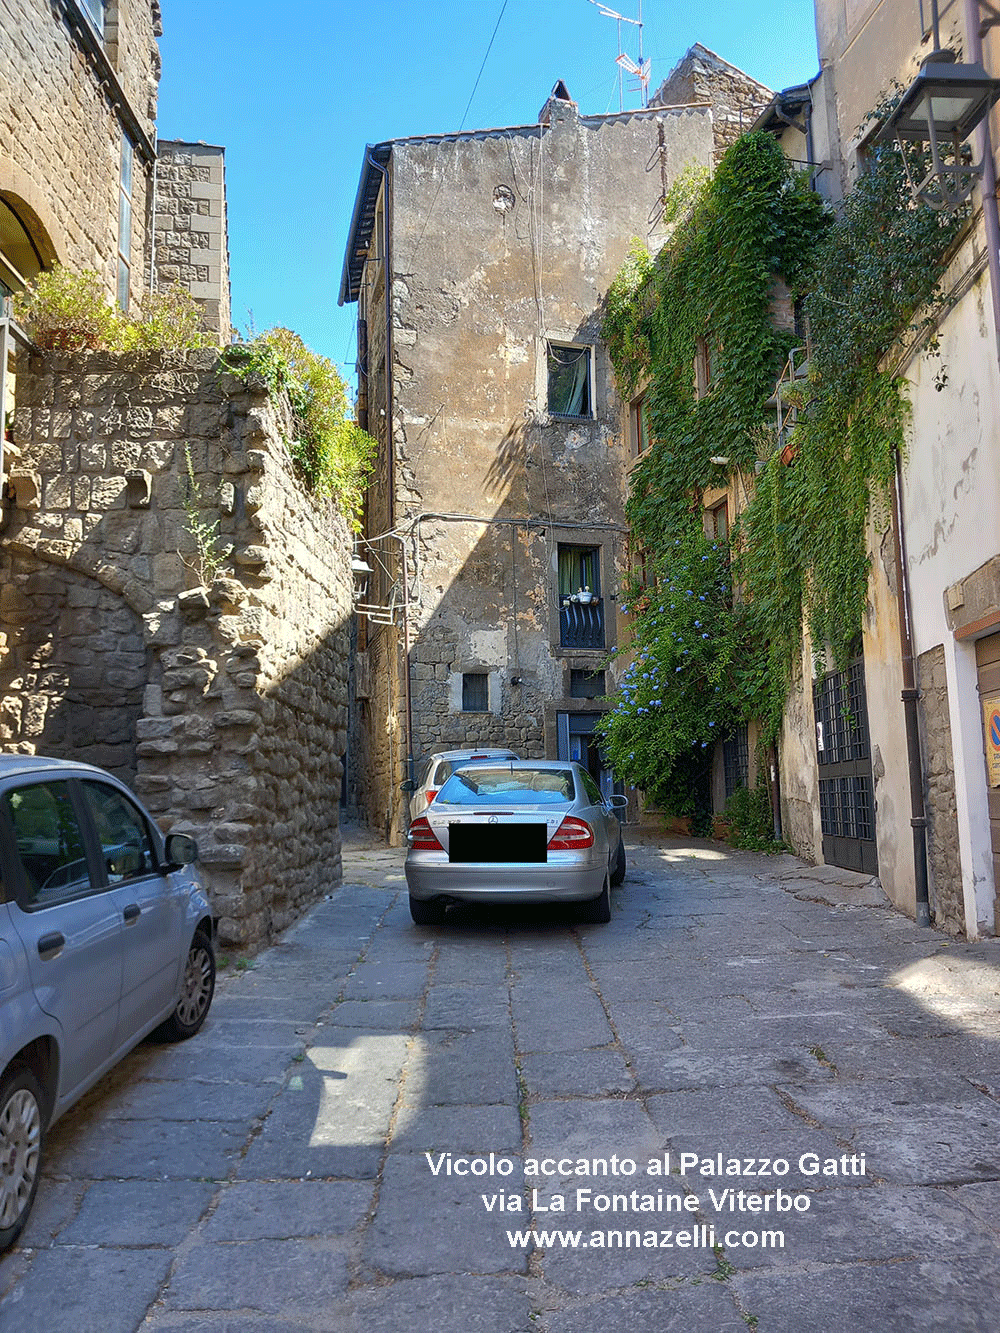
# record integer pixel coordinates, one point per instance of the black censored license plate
(498, 843)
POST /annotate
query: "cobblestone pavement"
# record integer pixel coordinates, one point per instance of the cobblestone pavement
(273, 1173)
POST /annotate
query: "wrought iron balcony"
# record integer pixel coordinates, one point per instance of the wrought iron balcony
(581, 624)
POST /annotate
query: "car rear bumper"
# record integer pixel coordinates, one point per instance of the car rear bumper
(514, 882)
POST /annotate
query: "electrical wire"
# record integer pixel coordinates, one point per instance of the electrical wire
(461, 127)
(482, 66)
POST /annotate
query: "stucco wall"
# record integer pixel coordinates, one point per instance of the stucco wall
(222, 693)
(501, 242)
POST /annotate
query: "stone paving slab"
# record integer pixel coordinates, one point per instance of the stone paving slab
(139, 1212)
(926, 1296)
(451, 1232)
(290, 1279)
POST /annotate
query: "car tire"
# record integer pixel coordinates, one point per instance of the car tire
(598, 910)
(618, 873)
(22, 1139)
(426, 913)
(197, 989)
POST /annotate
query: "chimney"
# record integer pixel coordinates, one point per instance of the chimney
(559, 107)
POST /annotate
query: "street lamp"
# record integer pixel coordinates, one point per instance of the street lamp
(360, 573)
(941, 107)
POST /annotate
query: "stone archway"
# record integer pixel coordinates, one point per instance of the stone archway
(73, 665)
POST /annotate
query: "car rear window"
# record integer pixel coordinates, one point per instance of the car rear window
(507, 786)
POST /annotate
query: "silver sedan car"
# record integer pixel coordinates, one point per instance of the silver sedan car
(521, 831)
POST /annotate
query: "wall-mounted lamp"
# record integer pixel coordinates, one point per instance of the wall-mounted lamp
(360, 573)
(941, 107)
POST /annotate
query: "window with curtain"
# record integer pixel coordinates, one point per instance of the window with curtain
(569, 380)
(579, 567)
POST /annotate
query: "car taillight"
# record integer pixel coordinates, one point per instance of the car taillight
(422, 837)
(572, 835)
(431, 794)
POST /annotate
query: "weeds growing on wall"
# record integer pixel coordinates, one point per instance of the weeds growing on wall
(333, 454)
(204, 531)
(694, 329)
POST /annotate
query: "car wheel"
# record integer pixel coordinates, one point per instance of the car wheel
(598, 910)
(22, 1133)
(197, 989)
(618, 874)
(426, 913)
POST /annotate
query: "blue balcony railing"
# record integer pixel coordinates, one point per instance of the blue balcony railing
(581, 624)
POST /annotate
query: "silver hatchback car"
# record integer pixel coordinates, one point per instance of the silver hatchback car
(105, 936)
(519, 831)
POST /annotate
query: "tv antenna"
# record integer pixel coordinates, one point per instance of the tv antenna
(640, 68)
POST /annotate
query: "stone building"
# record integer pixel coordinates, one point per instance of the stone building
(736, 99)
(80, 180)
(495, 528)
(189, 235)
(78, 88)
(934, 585)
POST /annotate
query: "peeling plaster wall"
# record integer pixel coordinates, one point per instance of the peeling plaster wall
(502, 241)
(220, 694)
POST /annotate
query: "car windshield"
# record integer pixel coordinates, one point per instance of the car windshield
(504, 785)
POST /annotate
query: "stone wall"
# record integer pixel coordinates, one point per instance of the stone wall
(189, 227)
(62, 133)
(212, 675)
(943, 858)
(701, 76)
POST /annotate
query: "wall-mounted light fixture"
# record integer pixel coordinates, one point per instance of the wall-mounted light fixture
(941, 108)
(361, 571)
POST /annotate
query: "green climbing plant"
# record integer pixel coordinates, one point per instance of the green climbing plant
(694, 329)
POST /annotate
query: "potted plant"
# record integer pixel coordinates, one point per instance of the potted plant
(585, 596)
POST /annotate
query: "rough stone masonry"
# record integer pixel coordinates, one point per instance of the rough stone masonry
(174, 606)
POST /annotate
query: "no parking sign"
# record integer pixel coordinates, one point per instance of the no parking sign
(991, 724)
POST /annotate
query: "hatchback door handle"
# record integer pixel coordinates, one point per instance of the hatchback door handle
(131, 913)
(50, 946)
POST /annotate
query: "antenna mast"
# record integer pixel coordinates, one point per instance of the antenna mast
(623, 61)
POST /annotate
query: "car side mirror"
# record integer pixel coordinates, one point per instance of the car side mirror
(618, 802)
(181, 849)
(408, 785)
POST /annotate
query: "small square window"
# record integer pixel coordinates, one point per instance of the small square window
(569, 380)
(475, 692)
(584, 684)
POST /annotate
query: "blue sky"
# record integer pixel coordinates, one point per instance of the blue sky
(295, 91)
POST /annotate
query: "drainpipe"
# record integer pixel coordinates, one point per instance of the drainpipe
(988, 187)
(909, 695)
(391, 451)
